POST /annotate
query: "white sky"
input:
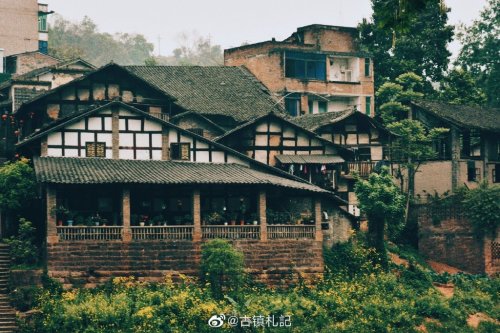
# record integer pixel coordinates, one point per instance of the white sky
(230, 22)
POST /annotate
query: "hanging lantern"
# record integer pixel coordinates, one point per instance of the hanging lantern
(32, 114)
(17, 132)
(21, 121)
(4, 117)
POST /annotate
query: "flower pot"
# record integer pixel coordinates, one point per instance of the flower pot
(255, 222)
(232, 222)
(141, 224)
(70, 223)
(59, 223)
(225, 223)
(242, 222)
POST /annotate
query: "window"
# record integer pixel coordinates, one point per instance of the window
(95, 149)
(368, 105)
(180, 151)
(473, 173)
(292, 105)
(496, 173)
(322, 106)
(367, 67)
(310, 103)
(43, 46)
(42, 23)
(470, 143)
(198, 131)
(305, 65)
(364, 154)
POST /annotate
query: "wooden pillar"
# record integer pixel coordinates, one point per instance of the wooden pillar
(126, 231)
(196, 213)
(115, 136)
(51, 198)
(318, 216)
(455, 156)
(165, 144)
(262, 215)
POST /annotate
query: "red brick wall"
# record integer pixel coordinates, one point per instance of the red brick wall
(451, 241)
(86, 263)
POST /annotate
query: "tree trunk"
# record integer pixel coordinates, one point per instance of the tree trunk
(376, 232)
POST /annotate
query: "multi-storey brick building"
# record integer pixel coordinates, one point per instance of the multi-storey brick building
(23, 26)
(319, 68)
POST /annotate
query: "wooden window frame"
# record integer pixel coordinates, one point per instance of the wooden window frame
(95, 148)
(179, 151)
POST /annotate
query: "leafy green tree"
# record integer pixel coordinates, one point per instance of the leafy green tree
(17, 189)
(383, 203)
(482, 207)
(460, 87)
(193, 50)
(23, 250)
(222, 266)
(69, 40)
(480, 54)
(407, 36)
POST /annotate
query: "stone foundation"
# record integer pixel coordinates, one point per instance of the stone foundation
(91, 263)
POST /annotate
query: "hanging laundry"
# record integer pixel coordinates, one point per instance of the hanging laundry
(323, 169)
(305, 168)
(301, 167)
(291, 169)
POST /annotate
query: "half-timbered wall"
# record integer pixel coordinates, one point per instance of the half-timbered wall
(357, 134)
(269, 137)
(137, 137)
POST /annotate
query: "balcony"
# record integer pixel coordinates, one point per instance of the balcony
(363, 169)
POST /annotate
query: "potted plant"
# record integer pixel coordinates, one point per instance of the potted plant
(79, 220)
(96, 220)
(255, 219)
(143, 219)
(70, 220)
(61, 214)
(188, 219)
(232, 219)
(215, 218)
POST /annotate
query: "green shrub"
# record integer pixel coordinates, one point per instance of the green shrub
(23, 250)
(222, 266)
(24, 298)
(350, 259)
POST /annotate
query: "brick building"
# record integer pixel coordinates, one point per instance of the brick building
(319, 68)
(23, 27)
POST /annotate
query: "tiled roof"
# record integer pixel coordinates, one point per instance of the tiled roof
(309, 159)
(67, 170)
(463, 115)
(227, 91)
(313, 121)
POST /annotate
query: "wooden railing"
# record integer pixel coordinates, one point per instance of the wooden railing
(362, 168)
(184, 232)
(89, 233)
(285, 231)
(231, 231)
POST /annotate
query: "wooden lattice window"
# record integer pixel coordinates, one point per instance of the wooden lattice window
(495, 250)
(180, 151)
(95, 149)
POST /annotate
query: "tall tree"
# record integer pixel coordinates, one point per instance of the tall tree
(460, 87)
(407, 36)
(69, 40)
(383, 204)
(480, 53)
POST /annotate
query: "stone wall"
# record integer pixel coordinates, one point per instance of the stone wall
(451, 241)
(91, 263)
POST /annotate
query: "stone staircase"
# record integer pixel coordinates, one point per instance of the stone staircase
(7, 313)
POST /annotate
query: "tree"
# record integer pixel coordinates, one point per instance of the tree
(23, 250)
(407, 35)
(482, 208)
(194, 50)
(383, 204)
(480, 53)
(221, 266)
(69, 40)
(17, 189)
(460, 87)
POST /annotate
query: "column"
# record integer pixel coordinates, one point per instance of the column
(126, 231)
(51, 198)
(196, 216)
(115, 130)
(318, 216)
(262, 215)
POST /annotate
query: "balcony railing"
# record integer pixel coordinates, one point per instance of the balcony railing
(231, 231)
(162, 232)
(291, 231)
(362, 168)
(89, 233)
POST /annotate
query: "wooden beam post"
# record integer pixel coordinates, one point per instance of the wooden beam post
(262, 203)
(115, 130)
(196, 213)
(318, 216)
(51, 198)
(126, 231)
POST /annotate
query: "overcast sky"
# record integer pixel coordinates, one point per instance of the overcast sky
(229, 22)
